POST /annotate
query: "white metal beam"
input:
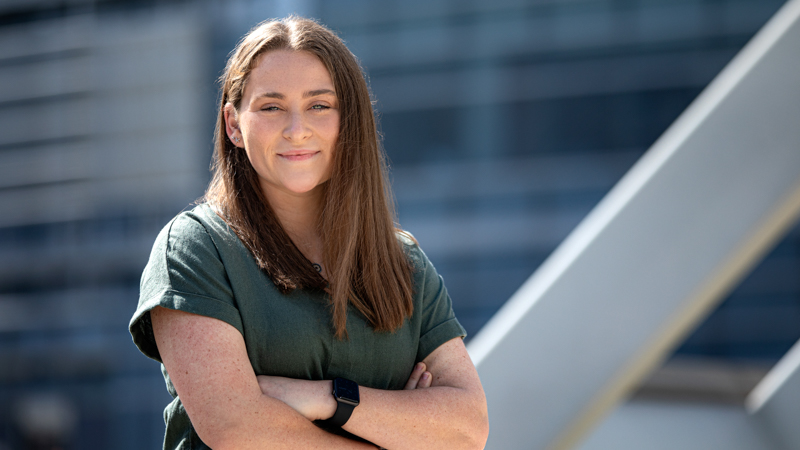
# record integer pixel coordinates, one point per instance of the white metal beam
(705, 203)
(775, 402)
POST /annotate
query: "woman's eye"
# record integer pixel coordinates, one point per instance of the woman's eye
(320, 107)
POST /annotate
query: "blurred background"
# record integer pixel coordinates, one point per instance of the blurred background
(505, 123)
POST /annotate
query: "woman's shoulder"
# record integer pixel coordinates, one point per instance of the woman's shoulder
(406, 238)
(412, 249)
(196, 234)
(200, 224)
(190, 255)
(183, 235)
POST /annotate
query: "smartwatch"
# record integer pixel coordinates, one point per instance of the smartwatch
(346, 394)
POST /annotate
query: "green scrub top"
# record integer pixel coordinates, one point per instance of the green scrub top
(199, 265)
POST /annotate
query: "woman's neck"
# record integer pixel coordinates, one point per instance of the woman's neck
(299, 216)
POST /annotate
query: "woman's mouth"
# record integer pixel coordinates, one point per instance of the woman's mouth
(298, 155)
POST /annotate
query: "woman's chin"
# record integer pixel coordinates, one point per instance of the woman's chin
(298, 187)
(302, 188)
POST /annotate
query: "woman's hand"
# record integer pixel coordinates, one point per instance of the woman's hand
(312, 399)
(420, 378)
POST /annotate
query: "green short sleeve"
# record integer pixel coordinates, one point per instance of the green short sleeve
(184, 273)
(438, 322)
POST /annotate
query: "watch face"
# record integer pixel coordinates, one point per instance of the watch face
(346, 390)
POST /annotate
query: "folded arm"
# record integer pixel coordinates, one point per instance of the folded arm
(231, 408)
(207, 362)
(450, 414)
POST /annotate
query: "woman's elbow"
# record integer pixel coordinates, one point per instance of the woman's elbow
(482, 433)
(223, 432)
(219, 438)
(479, 433)
(472, 429)
(472, 438)
(480, 424)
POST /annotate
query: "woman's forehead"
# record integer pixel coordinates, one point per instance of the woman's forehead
(289, 70)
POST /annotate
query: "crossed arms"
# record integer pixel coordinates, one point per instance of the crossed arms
(231, 408)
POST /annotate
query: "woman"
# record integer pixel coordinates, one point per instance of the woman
(287, 310)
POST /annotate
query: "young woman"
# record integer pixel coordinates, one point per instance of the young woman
(287, 310)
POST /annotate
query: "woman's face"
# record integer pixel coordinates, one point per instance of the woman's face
(288, 122)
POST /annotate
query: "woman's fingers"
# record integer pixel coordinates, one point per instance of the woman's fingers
(425, 380)
(420, 378)
(416, 374)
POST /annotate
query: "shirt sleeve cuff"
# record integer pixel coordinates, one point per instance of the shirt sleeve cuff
(438, 335)
(142, 330)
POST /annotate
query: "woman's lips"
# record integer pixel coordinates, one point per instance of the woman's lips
(298, 155)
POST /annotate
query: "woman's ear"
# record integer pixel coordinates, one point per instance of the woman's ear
(232, 124)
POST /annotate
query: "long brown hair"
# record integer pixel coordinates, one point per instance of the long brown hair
(364, 260)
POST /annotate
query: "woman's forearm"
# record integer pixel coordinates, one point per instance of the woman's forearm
(272, 424)
(440, 417)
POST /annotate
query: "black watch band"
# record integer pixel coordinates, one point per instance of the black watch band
(346, 394)
(342, 414)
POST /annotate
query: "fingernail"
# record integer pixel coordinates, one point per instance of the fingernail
(419, 366)
(425, 375)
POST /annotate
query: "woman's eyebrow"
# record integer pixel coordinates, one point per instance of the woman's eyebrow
(318, 92)
(277, 95)
(306, 94)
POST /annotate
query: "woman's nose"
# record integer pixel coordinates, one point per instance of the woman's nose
(296, 129)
